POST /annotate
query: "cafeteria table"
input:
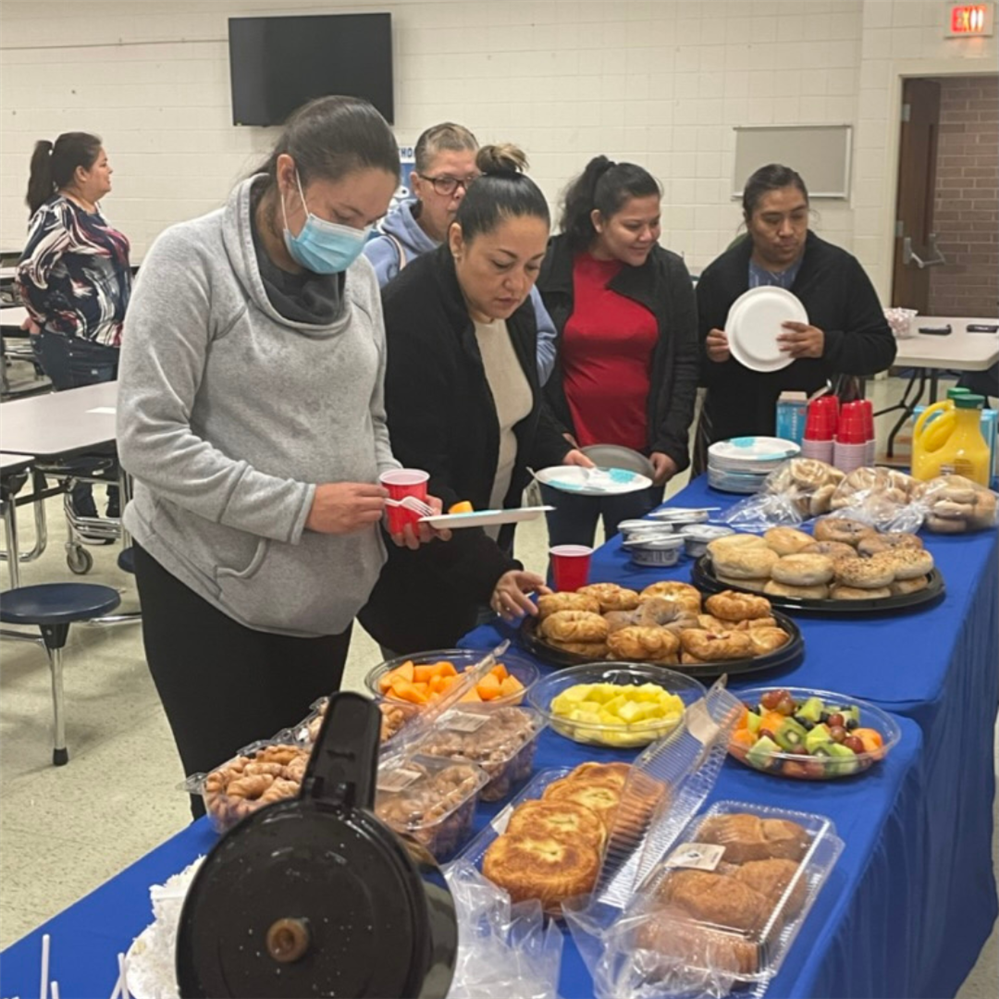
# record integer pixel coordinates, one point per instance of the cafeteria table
(12, 465)
(913, 898)
(931, 355)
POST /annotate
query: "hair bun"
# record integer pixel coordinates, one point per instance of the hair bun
(505, 158)
(44, 146)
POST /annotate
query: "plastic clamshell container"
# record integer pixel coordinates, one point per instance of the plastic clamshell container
(657, 552)
(747, 945)
(819, 767)
(517, 666)
(678, 516)
(230, 793)
(501, 740)
(697, 537)
(431, 799)
(625, 675)
(395, 716)
(639, 527)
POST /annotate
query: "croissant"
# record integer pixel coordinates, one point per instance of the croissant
(551, 603)
(611, 596)
(641, 643)
(574, 626)
(717, 646)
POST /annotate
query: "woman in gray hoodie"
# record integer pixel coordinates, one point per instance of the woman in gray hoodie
(251, 416)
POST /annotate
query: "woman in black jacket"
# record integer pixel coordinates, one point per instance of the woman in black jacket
(465, 405)
(846, 333)
(624, 312)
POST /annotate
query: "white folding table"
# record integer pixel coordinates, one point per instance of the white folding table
(11, 465)
(931, 355)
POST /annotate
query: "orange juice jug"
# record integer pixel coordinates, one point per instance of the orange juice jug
(955, 446)
(936, 422)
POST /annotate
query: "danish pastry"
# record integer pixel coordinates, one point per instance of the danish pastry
(721, 646)
(803, 570)
(550, 603)
(747, 837)
(787, 540)
(559, 819)
(676, 592)
(653, 644)
(544, 867)
(610, 596)
(615, 773)
(574, 626)
(732, 606)
(599, 795)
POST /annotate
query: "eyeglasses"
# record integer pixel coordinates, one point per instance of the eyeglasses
(446, 186)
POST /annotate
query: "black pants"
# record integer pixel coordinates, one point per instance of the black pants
(574, 519)
(224, 685)
(71, 362)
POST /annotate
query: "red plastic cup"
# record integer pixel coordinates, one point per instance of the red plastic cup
(570, 566)
(829, 406)
(819, 424)
(851, 425)
(401, 482)
(866, 407)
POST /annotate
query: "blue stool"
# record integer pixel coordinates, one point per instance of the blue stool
(53, 607)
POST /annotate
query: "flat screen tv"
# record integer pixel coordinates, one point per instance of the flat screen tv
(277, 64)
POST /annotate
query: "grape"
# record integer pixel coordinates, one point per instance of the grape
(852, 742)
(771, 699)
(837, 733)
(786, 705)
(837, 721)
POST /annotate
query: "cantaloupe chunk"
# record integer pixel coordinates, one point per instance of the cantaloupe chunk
(510, 686)
(423, 674)
(407, 691)
(488, 687)
(446, 668)
(472, 695)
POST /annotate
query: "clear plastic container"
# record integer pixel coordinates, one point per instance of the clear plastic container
(501, 740)
(639, 732)
(257, 775)
(726, 901)
(395, 716)
(431, 799)
(860, 717)
(517, 666)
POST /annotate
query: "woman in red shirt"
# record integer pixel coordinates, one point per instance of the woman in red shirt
(627, 363)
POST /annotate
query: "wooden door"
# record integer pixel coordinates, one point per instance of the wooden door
(917, 167)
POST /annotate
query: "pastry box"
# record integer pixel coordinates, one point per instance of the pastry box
(431, 799)
(501, 740)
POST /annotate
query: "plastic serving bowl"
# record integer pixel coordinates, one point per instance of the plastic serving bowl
(639, 733)
(523, 669)
(798, 767)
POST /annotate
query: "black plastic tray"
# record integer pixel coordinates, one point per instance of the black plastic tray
(786, 654)
(704, 578)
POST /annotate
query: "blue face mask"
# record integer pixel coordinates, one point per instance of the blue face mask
(323, 247)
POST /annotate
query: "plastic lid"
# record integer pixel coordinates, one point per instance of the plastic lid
(969, 402)
(957, 392)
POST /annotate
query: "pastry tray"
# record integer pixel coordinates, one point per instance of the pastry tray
(774, 938)
(784, 656)
(703, 577)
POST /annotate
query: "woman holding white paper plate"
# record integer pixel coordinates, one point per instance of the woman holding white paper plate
(781, 310)
(464, 404)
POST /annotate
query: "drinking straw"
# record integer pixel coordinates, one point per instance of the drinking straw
(43, 991)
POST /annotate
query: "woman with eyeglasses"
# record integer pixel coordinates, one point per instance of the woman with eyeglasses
(464, 404)
(846, 332)
(251, 414)
(445, 166)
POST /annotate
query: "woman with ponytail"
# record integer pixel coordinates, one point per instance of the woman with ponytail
(627, 363)
(464, 403)
(74, 275)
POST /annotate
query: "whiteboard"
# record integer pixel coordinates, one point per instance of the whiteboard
(820, 153)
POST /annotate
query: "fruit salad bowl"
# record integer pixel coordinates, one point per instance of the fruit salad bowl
(623, 705)
(807, 734)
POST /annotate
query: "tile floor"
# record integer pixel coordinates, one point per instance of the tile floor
(63, 831)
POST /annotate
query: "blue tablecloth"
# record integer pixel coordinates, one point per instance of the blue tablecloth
(844, 948)
(913, 898)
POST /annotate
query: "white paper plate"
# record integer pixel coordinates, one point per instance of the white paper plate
(592, 481)
(750, 454)
(755, 321)
(485, 518)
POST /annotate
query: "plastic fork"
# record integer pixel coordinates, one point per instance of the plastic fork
(412, 503)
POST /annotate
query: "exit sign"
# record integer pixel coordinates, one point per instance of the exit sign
(970, 19)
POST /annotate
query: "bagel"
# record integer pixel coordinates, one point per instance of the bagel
(616, 620)
(756, 585)
(745, 563)
(888, 541)
(903, 586)
(864, 573)
(942, 525)
(840, 592)
(787, 540)
(984, 515)
(907, 563)
(831, 549)
(803, 570)
(775, 589)
(610, 596)
(821, 500)
(733, 541)
(731, 606)
(809, 473)
(841, 529)
(658, 612)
